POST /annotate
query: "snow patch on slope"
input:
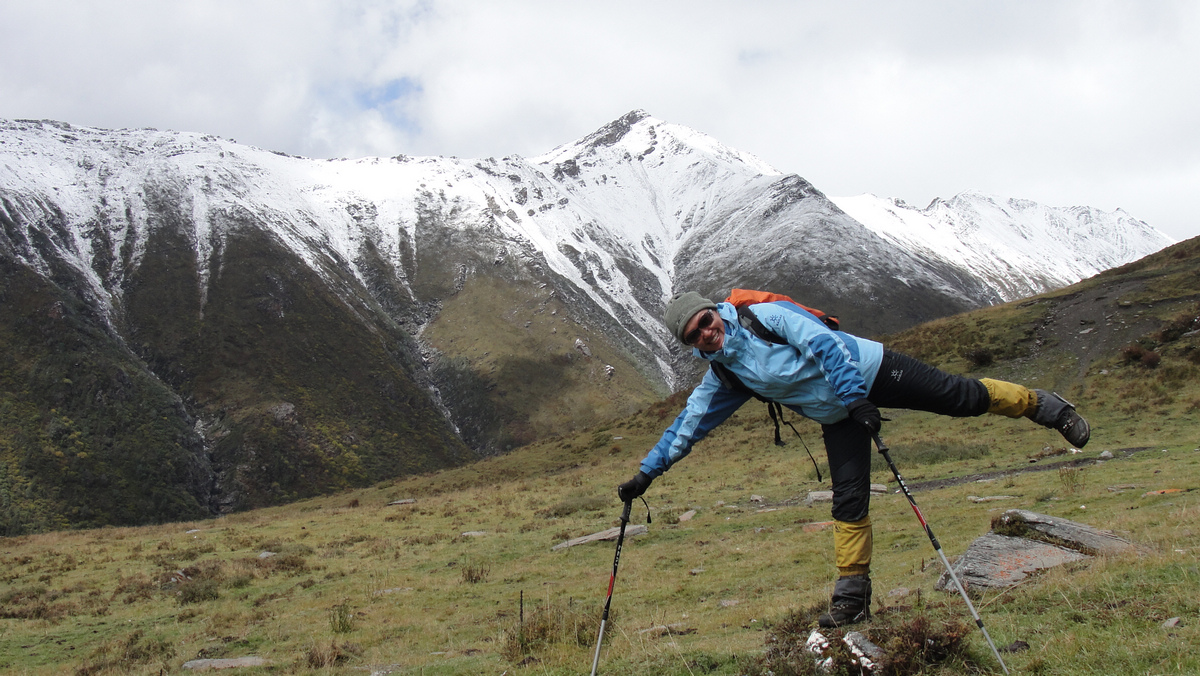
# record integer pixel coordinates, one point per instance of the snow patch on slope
(1019, 246)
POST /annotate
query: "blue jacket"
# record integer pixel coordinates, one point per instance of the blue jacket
(816, 375)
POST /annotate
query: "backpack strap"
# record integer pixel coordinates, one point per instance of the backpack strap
(749, 321)
(730, 380)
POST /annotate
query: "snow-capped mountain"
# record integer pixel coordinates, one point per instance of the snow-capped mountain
(1020, 247)
(301, 325)
(624, 215)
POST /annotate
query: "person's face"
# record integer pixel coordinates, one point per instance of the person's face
(705, 331)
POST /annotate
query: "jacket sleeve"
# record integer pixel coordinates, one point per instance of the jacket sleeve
(833, 354)
(708, 406)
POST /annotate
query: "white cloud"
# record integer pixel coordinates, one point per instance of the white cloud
(1064, 102)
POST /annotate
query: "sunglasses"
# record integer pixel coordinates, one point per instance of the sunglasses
(706, 321)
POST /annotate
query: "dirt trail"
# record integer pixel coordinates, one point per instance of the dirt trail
(1024, 469)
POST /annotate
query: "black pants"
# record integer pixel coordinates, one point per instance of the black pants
(903, 382)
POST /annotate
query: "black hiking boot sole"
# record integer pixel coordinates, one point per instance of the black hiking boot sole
(841, 617)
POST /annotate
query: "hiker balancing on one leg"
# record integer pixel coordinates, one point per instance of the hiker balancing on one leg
(838, 380)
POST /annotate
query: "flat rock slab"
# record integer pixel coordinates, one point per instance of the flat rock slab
(998, 561)
(818, 496)
(610, 534)
(234, 663)
(1070, 534)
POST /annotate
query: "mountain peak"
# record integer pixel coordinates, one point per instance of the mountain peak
(614, 131)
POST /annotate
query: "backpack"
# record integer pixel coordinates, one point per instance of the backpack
(742, 299)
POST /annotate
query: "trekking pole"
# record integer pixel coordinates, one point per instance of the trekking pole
(883, 450)
(611, 581)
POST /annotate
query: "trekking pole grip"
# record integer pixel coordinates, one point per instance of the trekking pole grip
(879, 443)
(625, 512)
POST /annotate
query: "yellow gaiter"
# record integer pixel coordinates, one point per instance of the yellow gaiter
(1009, 399)
(852, 543)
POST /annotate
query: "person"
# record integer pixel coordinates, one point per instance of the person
(840, 381)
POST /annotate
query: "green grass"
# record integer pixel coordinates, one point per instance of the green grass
(356, 582)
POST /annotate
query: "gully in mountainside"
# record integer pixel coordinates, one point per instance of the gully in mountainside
(785, 354)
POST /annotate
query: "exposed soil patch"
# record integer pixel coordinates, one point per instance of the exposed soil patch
(1097, 322)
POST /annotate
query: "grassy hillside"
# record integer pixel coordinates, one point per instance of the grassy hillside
(463, 579)
(87, 436)
(515, 367)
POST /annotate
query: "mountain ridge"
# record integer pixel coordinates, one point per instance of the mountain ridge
(316, 324)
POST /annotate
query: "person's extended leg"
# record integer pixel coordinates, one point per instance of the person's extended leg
(904, 382)
(848, 446)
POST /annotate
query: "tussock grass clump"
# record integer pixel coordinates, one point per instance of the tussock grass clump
(549, 625)
(425, 539)
(474, 573)
(341, 618)
(320, 656)
(1071, 479)
(122, 656)
(576, 503)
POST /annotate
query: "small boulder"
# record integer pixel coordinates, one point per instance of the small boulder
(818, 496)
(998, 561)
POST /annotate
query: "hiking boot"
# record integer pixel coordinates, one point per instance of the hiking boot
(1057, 413)
(851, 602)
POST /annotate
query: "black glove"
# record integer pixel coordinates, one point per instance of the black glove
(865, 413)
(633, 489)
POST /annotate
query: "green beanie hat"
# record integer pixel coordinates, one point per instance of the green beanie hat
(681, 308)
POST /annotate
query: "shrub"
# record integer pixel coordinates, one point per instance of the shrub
(198, 591)
(980, 357)
(1150, 359)
(292, 564)
(1132, 353)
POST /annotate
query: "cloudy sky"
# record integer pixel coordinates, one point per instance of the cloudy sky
(1068, 103)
